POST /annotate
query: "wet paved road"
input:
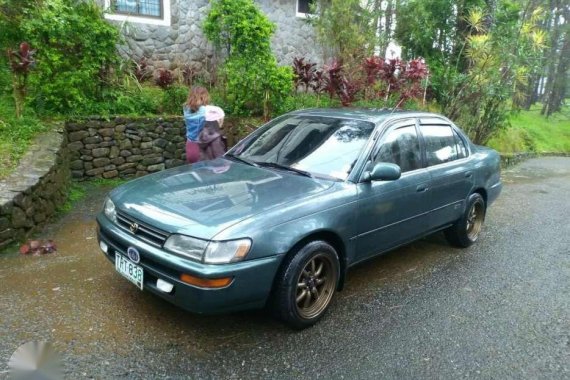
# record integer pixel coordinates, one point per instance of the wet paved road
(498, 310)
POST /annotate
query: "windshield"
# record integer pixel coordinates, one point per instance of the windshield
(316, 144)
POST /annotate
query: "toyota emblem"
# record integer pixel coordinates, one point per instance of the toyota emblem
(134, 228)
(134, 255)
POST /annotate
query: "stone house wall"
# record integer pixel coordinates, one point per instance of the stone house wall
(183, 43)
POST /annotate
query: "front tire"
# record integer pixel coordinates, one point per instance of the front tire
(466, 230)
(306, 284)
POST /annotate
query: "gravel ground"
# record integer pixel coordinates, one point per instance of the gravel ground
(498, 310)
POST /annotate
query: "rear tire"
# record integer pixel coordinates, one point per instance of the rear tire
(467, 229)
(306, 284)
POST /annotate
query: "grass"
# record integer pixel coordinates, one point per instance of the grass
(532, 132)
(15, 135)
(77, 191)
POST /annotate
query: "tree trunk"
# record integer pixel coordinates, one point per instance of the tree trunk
(555, 11)
(558, 90)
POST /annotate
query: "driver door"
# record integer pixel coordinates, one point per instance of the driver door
(391, 213)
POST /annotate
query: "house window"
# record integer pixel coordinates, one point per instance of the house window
(154, 12)
(145, 8)
(305, 7)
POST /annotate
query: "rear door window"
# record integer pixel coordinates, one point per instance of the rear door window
(461, 148)
(440, 144)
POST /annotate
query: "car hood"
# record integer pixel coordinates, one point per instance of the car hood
(203, 199)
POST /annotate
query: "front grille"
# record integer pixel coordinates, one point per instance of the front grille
(143, 231)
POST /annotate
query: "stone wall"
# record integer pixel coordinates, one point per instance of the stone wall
(508, 160)
(123, 147)
(183, 42)
(32, 194)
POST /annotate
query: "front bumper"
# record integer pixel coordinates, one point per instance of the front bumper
(250, 288)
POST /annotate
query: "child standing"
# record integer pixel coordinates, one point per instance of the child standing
(194, 117)
(210, 139)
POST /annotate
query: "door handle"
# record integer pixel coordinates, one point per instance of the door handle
(468, 174)
(421, 188)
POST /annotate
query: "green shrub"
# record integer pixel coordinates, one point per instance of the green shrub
(76, 50)
(173, 98)
(254, 84)
(256, 88)
(239, 27)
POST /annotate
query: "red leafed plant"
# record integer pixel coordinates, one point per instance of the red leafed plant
(21, 63)
(304, 73)
(386, 78)
(339, 83)
(334, 75)
(38, 247)
(319, 84)
(372, 66)
(416, 69)
(164, 78)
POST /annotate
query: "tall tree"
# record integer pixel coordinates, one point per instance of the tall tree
(558, 59)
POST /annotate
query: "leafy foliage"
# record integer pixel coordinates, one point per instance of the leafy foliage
(345, 28)
(255, 84)
(76, 51)
(481, 54)
(141, 70)
(189, 74)
(21, 63)
(239, 27)
(374, 79)
(163, 78)
(173, 98)
(304, 73)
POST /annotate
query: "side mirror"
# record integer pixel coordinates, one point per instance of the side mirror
(383, 171)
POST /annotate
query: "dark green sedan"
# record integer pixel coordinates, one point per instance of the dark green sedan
(280, 219)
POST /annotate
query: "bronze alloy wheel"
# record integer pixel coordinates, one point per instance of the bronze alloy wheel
(315, 286)
(475, 220)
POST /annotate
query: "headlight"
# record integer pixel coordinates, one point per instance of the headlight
(223, 252)
(186, 246)
(110, 211)
(213, 252)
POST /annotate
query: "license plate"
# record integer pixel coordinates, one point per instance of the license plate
(129, 270)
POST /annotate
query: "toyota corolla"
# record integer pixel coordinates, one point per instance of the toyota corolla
(281, 218)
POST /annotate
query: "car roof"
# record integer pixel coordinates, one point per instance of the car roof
(374, 115)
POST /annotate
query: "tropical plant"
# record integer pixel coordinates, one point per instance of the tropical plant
(21, 63)
(238, 27)
(76, 50)
(164, 78)
(374, 79)
(304, 72)
(255, 84)
(141, 70)
(345, 28)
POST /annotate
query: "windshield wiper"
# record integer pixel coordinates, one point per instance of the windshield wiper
(242, 160)
(284, 167)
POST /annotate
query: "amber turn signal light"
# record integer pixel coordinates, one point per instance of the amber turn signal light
(211, 283)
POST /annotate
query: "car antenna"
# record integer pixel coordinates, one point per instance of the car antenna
(396, 106)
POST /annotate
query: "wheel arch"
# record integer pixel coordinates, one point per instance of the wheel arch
(481, 191)
(329, 237)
